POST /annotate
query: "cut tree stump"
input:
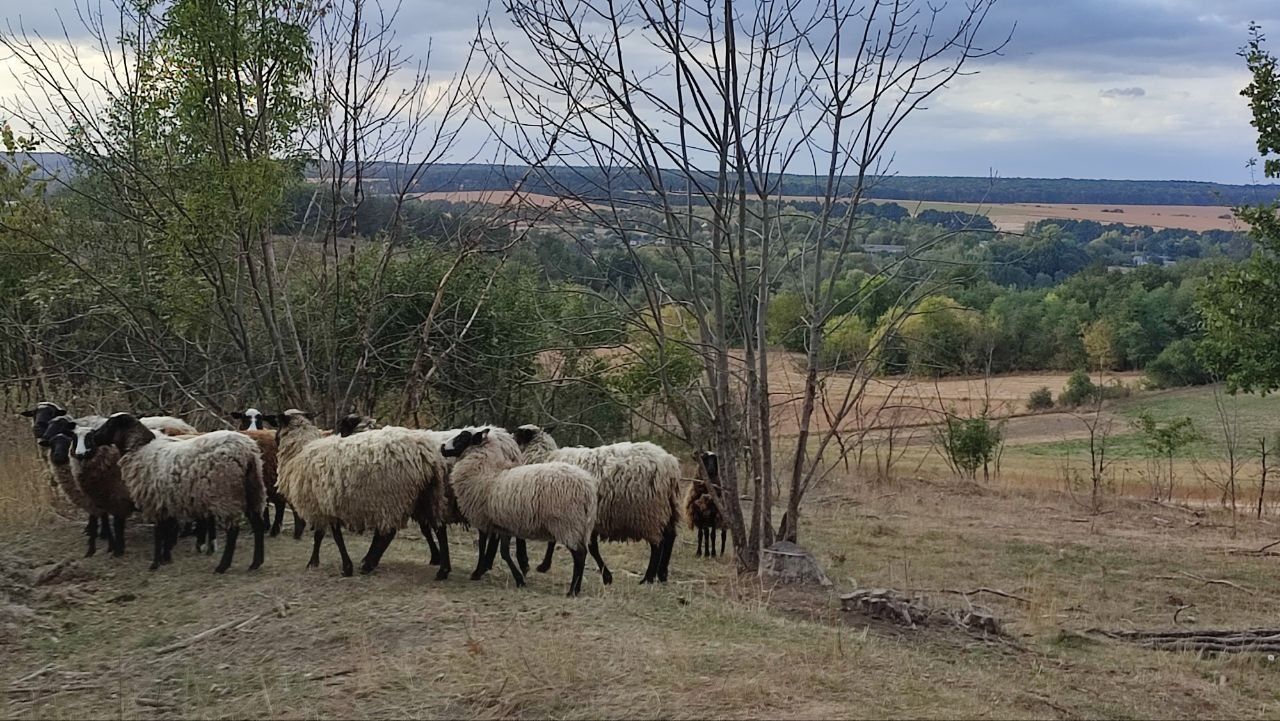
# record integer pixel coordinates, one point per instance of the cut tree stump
(789, 564)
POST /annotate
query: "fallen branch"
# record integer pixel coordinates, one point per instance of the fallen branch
(1209, 581)
(38, 672)
(976, 591)
(1264, 551)
(1260, 640)
(331, 674)
(206, 634)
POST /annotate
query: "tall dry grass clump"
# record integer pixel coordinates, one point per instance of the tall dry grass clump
(26, 498)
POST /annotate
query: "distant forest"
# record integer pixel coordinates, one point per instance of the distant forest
(598, 183)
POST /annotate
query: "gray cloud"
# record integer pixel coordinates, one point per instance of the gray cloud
(1134, 92)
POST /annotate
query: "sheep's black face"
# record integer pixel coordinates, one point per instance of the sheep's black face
(60, 449)
(454, 447)
(353, 423)
(710, 463)
(524, 435)
(115, 431)
(41, 415)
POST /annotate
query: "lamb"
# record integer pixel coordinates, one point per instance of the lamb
(538, 501)
(168, 426)
(700, 505)
(215, 476)
(46, 411)
(95, 472)
(639, 487)
(375, 480)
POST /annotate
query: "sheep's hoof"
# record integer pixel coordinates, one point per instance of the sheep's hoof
(254, 566)
(297, 534)
(90, 552)
(646, 580)
(154, 566)
(477, 575)
(347, 570)
(520, 583)
(543, 567)
(443, 573)
(275, 531)
(366, 568)
(606, 576)
(220, 569)
(313, 564)
(573, 593)
(435, 561)
(118, 554)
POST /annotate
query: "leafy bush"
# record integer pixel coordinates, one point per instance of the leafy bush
(1080, 390)
(845, 342)
(970, 443)
(1041, 399)
(1177, 365)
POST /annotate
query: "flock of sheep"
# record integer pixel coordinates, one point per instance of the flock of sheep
(359, 477)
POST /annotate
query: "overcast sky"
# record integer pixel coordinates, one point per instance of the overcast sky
(1141, 89)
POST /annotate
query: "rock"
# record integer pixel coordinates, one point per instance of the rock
(789, 564)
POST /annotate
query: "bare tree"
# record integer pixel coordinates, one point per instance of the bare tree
(693, 114)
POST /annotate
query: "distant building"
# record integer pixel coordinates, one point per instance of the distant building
(881, 248)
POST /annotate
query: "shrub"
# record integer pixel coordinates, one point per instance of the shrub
(1080, 390)
(844, 344)
(970, 443)
(1041, 399)
(1177, 365)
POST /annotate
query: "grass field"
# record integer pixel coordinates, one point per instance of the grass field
(298, 643)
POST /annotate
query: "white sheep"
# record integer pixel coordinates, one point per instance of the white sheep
(214, 476)
(538, 501)
(639, 495)
(168, 425)
(375, 480)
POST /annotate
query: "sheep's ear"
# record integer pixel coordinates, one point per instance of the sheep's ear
(237, 415)
(549, 429)
(28, 413)
(309, 415)
(479, 436)
(272, 419)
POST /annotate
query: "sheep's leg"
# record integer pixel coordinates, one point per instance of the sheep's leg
(91, 530)
(158, 539)
(259, 526)
(723, 533)
(579, 565)
(378, 547)
(488, 549)
(315, 549)
(546, 560)
(511, 564)
(211, 544)
(651, 571)
(228, 547)
(200, 532)
(668, 544)
(594, 549)
(711, 538)
(104, 530)
(347, 567)
(522, 556)
(119, 533)
(170, 540)
(445, 566)
(279, 520)
(428, 534)
(299, 526)
(698, 553)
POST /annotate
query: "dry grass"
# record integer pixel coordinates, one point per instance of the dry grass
(399, 644)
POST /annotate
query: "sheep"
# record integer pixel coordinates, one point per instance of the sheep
(168, 425)
(58, 456)
(95, 472)
(639, 495)
(252, 423)
(700, 505)
(215, 476)
(539, 501)
(374, 480)
(41, 415)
